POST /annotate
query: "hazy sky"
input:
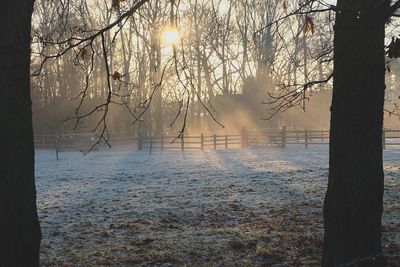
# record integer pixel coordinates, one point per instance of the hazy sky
(331, 1)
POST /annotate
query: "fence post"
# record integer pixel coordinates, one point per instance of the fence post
(244, 137)
(226, 141)
(215, 142)
(202, 142)
(283, 136)
(57, 148)
(140, 140)
(151, 144)
(383, 139)
(306, 139)
(162, 142)
(182, 143)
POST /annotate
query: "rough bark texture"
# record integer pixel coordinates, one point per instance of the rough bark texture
(19, 225)
(353, 202)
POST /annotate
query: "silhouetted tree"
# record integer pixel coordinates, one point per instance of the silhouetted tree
(20, 233)
(19, 225)
(354, 199)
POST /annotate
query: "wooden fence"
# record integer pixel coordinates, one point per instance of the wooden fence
(200, 142)
(247, 138)
(82, 141)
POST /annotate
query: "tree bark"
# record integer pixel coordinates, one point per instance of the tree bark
(354, 199)
(19, 226)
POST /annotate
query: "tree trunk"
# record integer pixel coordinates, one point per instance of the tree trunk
(354, 199)
(19, 225)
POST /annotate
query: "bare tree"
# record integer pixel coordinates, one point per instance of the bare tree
(354, 199)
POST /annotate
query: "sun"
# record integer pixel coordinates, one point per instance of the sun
(171, 36)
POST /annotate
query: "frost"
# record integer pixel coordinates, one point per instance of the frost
(250, 207)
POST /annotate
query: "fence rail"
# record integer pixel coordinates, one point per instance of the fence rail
(247, 138)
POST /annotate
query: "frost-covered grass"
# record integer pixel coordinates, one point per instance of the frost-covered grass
(219, 208)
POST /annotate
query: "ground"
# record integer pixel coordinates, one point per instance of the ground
(255, 207)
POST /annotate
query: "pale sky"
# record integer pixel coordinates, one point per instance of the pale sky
(331, 2)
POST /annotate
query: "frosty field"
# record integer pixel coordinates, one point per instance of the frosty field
(251, 207)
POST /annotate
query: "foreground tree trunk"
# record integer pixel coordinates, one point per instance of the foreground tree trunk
(354, 199)
(19, 226)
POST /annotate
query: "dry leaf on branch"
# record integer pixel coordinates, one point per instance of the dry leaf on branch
(394, 48)
(84, 54)
(309, 25)
(116, 75)
(116, 3)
